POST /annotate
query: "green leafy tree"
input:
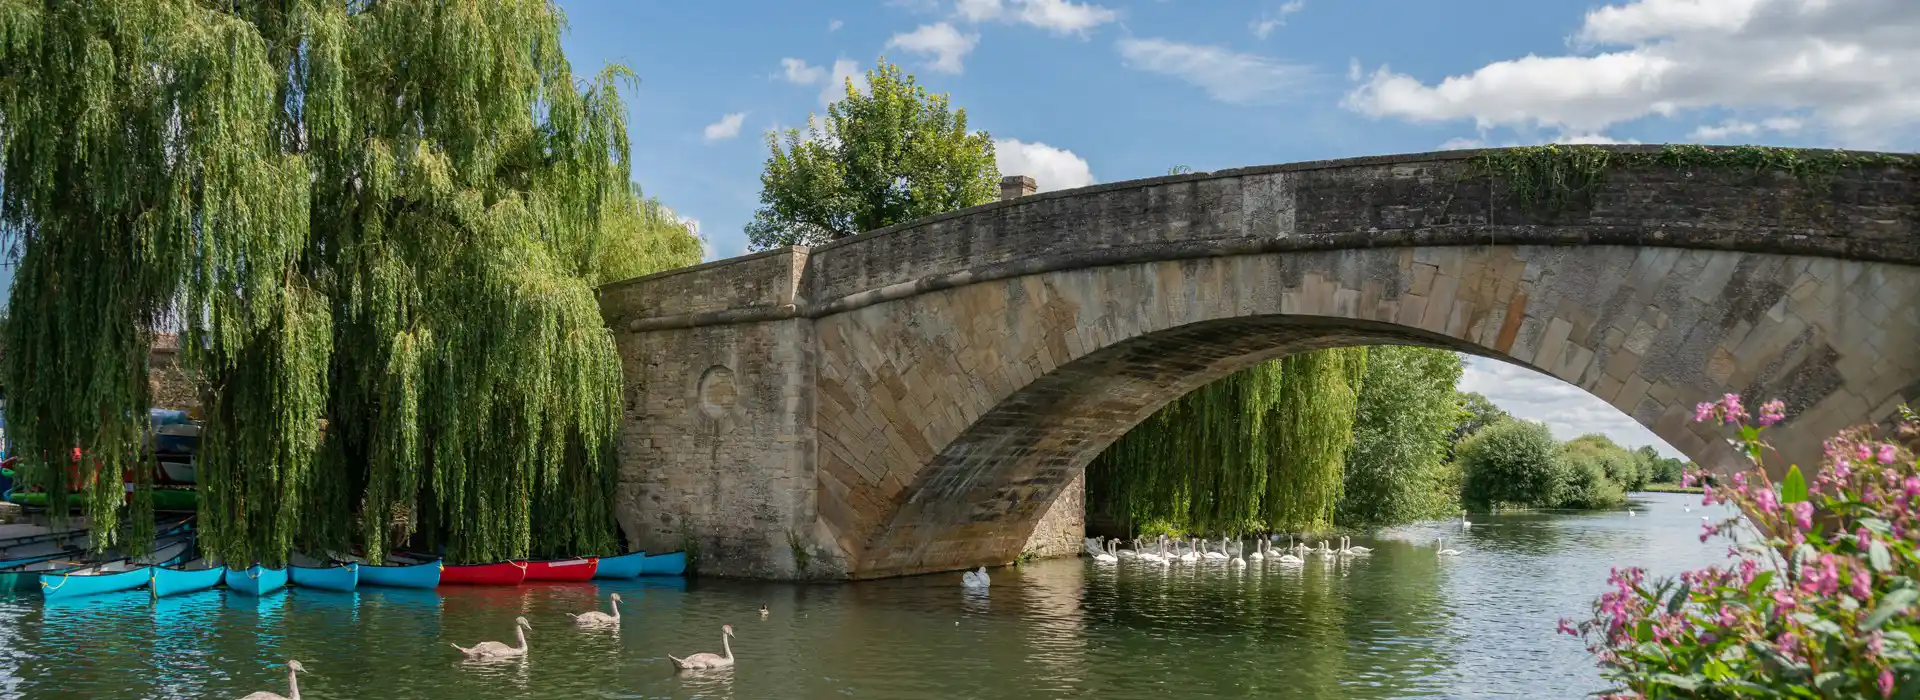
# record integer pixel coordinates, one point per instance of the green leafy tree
(1407, 414)
(1620, 465)
(895, 154)
(1515, 461)
(378, 236)
(643, 236)
(1480, 413)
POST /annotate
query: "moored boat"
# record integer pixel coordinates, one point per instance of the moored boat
(123, 574)
(624, 566)
(563, 569)
(306, 572)
(256, 580)
(506, 573)
(196, 575)
(669, 564)
(402, 574)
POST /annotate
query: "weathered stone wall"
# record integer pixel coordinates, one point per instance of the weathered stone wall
(169, 384)
(959, 372)
(717, 455)
(1062, 532)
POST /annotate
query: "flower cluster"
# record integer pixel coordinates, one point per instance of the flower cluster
(1818, 602)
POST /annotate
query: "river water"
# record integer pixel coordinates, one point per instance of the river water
(1401, 623)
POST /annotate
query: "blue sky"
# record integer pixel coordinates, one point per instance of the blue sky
(1097, 91)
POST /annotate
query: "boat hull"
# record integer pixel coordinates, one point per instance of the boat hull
(64, 585)
(168, 582)
(563, 569)
(256, 580)
(670, 564)
(506, 573)
(345, 577)
(625, 566)
(402, 575)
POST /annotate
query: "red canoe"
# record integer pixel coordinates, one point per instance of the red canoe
(563, 569)
(506, 573)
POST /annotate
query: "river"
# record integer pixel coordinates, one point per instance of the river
(1400, 623)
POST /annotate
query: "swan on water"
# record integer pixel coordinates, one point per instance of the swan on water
(1108, 557)
(1152, 557)
(293, 685)
(1463, 521)
(763, 611)
(975, 579)
(1447, 552)
(1259, 553)
(706, 660)
(1630, 513)
(1238, 560)
(1220, 555)
(599, 618)
(1190, 556)
(1323, 551)
(1346, 547)
(497, 650)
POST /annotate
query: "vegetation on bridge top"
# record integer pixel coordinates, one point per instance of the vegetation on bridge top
(1549, 179)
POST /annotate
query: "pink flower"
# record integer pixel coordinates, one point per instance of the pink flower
(1772, 412)
(1702, 412)
(1706, 495)
(1566, 628)
(1748, 568)
(1886, 453)
(1862, 540)
(1782, 601)
(1862, 585)
(1707, 531)
(1727, 618)
(1863, 452)
(1802, 514)
(1734, 411)
(1767, 502)
(1886, 683)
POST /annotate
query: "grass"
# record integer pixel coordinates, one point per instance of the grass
(1671, 488)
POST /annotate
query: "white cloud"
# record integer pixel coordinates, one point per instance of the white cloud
(1566, 409)
(798, 72)
(1051, 168)
(728, 127)
(1227, 76)
(835, 25)
(1267, 23)
(1461, 144)
(1734, 128)
(946, 45)
(836, 87)
(1060, 17)
(1852, 65)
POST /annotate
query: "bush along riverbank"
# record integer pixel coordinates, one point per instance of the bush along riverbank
(1813, 607)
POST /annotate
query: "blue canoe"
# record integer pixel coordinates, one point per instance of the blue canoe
(256, 580)
(625, 566)
(396, 575)
(669, 564)
(192, 576)
(110, 577)
(307, 573)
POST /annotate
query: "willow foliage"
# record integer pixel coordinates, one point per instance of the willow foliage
(1312, 433)
(1211, 461)
(376, 226)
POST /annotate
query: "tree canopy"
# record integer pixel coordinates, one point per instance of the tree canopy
(376, 226)
(1407, 413)
(894, 154)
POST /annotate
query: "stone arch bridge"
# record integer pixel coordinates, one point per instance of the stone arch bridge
(914, 399)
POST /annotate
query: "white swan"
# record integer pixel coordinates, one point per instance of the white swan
(1190, 556)
(1159, 557)
(1346, 547)
(1108, 557)
(1630, 513)
(1238, 560)
(1463, 521)
(1259, 553)
(1128, 553)
(1447, 552)
(1323, 551)
(599, 618)
(1220, 555)
(497, 650)
(704, 660)
(1093, 546)
(975, 579)
(293, 685)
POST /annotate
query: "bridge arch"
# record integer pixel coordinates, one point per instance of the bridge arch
(913, 399)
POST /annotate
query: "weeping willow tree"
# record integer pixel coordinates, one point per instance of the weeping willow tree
(376, 226)
(1312, 431)
(1236, 455)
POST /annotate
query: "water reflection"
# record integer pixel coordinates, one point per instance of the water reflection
(1402, 622)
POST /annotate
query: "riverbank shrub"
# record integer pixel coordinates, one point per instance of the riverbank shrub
(1807, 608)
(1589, 484)
(1515, 461)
